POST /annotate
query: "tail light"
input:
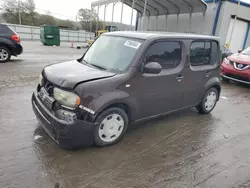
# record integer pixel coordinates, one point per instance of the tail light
(16, 38)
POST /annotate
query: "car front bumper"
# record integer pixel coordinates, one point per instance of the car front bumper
(67, 135)
(229, 72)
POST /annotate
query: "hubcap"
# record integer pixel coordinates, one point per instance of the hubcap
(111, 128)
(210, 100)
(3, 54)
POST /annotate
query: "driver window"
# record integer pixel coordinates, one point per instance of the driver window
(167, 54)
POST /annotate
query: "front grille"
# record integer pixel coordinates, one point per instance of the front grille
(48, 86)
(238, 77)
(241, 66)
(48, 102)
(45, 98)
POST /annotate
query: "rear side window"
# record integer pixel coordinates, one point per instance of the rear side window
(5, 30)
(168, 54)
(204, 53)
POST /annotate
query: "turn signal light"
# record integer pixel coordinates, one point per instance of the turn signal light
(78, 101)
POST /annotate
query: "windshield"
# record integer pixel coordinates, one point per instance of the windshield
(246, 51)
(112, 53)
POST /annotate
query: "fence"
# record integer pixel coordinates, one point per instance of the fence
(33, 33)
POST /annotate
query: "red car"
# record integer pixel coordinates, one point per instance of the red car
(237, 67)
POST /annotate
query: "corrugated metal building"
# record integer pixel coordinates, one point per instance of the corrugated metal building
(219, 19)
(228, 19)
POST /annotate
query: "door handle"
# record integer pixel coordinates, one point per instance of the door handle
(179, 78)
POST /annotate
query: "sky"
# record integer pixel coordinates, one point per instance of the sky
(67, 9)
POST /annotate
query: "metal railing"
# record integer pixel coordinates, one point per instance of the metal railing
(33, 33)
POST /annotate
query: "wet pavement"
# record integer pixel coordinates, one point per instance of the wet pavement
(184, 149)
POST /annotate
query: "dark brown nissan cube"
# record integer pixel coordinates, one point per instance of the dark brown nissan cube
(126, 77)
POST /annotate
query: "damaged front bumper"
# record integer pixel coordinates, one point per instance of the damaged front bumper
(68, 134)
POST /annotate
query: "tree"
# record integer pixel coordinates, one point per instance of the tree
(10, 11)
(30, 8)
(10, 14)
(86, 16)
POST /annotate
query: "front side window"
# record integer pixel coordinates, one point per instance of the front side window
(203, 53)
(167, 54)
(112, 53)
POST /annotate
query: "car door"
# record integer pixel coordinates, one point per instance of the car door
(160, 93)
(201, 66)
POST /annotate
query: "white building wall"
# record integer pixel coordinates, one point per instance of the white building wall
(230, 9)
(199, 24)
(248, 40)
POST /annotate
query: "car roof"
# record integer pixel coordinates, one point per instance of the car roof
(150, 35)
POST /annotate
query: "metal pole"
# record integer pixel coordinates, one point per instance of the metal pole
(104, 23)
(177, 27)
(156, 27)
(231, 34)
(131, 21)
(122, 12)
(190, 21)
(97, 22)
(91, 19)
(204, 14)
(148, 23)
(19, 13)
(144, 14)
(166, 22)
(113, 12)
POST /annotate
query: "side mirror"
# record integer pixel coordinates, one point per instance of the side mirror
(152, 68)
(240, 50)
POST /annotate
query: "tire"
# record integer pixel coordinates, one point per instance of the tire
(113, 121)
(207, 105)
(5, 54)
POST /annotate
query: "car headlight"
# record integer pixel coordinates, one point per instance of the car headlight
(41, 80)
(226, 61)
(66, 98)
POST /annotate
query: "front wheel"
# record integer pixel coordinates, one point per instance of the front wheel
(208, 102)
(111, 126)
(4, 54)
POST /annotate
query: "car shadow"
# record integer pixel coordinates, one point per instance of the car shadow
(15, 60)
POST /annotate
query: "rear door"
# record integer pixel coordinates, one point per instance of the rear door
(202, 65)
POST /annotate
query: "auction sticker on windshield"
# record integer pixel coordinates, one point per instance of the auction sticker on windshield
(132, 44)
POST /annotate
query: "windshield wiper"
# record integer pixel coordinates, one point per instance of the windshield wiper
(98, 66)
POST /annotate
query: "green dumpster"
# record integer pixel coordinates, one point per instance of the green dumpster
(50, 35)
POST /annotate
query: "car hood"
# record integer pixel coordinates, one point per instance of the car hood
(240, 58)
(69, 74)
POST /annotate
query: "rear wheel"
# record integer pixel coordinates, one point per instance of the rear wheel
(111, 126)
(208, 102)
(4, 54)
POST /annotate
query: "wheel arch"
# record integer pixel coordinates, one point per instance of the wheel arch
(216, 83)
(128, 109)
(6, 46)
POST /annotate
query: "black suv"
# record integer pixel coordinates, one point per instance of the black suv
(9, 43)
